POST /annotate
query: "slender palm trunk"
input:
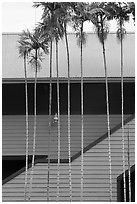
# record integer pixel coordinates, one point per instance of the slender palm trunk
(82, 125)
(129, 171)
(122, 112)
(27, 129)
(108, 127)
(50, 102)
(58, 101)
(35, 123)
(69, 147)
(108, 115)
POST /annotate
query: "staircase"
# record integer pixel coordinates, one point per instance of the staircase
(13, 132)
(96, 173)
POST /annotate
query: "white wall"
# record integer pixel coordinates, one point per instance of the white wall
(96, 173)
(12, 65)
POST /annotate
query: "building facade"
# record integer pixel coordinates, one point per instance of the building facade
(96, 161)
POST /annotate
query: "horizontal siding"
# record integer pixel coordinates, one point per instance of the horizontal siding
(96, 174)
(13, 131)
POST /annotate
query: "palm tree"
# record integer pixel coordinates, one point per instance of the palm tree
(66, 12)
(82, 15)
(52, 26)
(99, 21)
(122, 12)
(79, 19)
(50, 109)
(131, 6)
(23, 52)
(47, 33)
(64, 16)
(129, 170)
(121, 15)
(69, 125)
(120, 36)
(36, 43)
(58, 103)
(41, 28)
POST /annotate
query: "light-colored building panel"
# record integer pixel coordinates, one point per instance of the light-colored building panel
(12, 65)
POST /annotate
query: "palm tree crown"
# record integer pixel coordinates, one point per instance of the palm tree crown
(51, 24)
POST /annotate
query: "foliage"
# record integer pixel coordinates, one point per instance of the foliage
(121, 33)
(57, 15)
(100, 20)
(33, 60)
(121, 12)
(132, 9)
(51, 25)
(29, 43)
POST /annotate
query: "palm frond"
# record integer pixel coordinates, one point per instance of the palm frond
(131, 6)
(81, 38)
(30, 42)
(24, 46)
(121, 11)
(33, 60)
(121, 32)
(102, 32)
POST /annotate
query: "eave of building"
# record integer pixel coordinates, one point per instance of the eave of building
(72, 80)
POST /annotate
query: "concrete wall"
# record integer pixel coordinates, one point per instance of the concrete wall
(96, 173)
(12, 65)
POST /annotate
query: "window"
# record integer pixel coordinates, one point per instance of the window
(120, 186)
(13, 98)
